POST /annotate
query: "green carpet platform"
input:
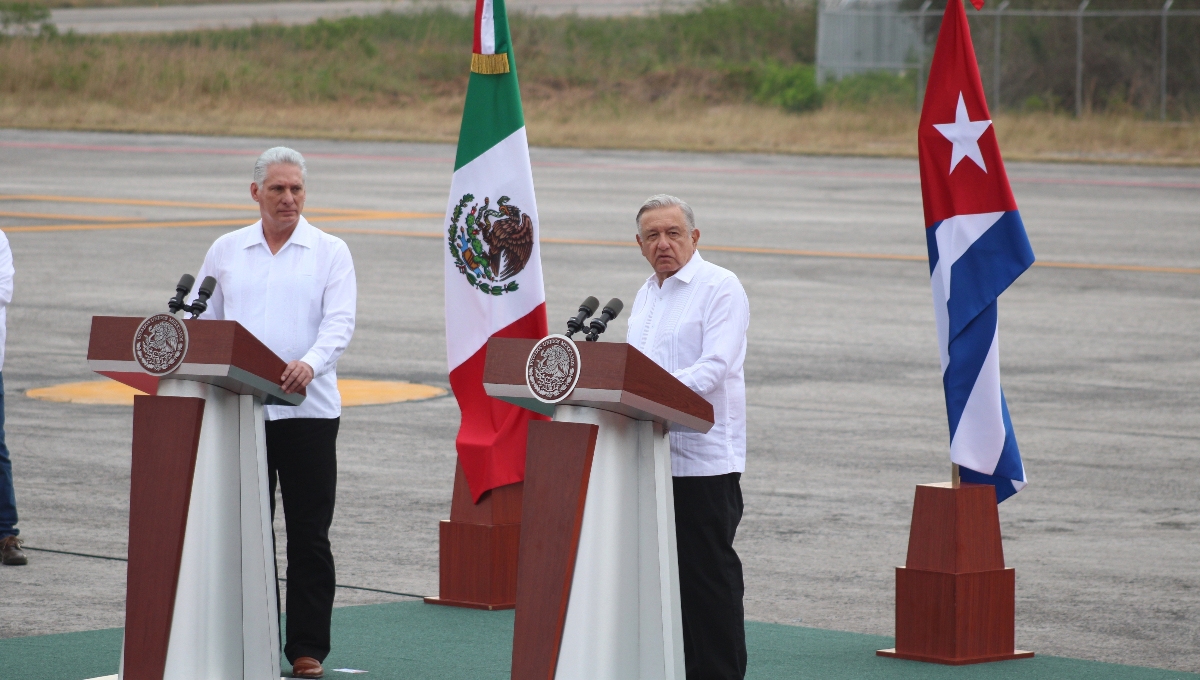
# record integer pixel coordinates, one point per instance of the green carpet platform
(415, 641)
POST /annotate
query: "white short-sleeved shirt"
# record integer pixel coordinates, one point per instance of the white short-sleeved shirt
(300, 302)
(695, 326)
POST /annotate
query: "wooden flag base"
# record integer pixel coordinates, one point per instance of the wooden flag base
(477, 565)
(1017, 654)
(955, 600)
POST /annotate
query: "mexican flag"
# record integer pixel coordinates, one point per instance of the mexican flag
(493, 257)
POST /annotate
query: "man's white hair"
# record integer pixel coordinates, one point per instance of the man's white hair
(667, 201)
(275, 156)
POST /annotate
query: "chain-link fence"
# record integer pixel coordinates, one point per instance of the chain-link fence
(1082, 59)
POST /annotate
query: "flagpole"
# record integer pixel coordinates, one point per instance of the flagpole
(955, 480)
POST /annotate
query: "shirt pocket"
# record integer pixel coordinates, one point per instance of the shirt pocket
(689, 339)
(305, 301)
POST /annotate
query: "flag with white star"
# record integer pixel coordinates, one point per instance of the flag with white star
(977, 248)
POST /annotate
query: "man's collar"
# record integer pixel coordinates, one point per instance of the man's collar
(684, 274)
(303, 235)
(689, 270)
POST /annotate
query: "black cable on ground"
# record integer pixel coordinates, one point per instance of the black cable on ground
(373, 590)
(75, 554)
(125, 559)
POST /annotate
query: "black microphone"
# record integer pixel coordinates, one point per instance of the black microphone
(200, 304)
(588, 308)
(598, 326)
(181, 290)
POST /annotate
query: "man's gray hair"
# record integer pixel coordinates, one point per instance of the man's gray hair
(667, 201)
(275, 156)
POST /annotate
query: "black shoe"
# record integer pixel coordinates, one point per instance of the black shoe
(11, 553)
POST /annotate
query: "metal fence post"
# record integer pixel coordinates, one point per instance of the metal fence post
(1162, 99)
(921, 54)
(1079, 59)
(996, 60)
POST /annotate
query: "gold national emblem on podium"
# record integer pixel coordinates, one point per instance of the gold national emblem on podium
(552, 368)
(485, 250)
(160, 344)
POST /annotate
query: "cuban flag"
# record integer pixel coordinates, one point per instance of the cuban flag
(977, 248)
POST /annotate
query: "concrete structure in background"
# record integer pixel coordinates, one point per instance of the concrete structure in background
(858, 36)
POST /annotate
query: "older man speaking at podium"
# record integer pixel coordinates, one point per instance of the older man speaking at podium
(691, 318)
(293, 287)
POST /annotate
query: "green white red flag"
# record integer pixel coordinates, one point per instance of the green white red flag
(492, 254)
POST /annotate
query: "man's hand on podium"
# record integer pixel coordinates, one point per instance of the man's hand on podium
(297, 375)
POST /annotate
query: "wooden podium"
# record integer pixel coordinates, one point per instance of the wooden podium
(954, 596)
(201, 599)
(597, 580)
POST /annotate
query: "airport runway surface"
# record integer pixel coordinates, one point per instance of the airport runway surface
(165, 19)
(1100, 364)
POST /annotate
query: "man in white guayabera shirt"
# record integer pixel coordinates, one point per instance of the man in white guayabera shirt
(691, 318)
(293, 287)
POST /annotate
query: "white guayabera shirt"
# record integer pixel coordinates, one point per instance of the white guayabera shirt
(6, 291)
(299, 302)
(695, 327)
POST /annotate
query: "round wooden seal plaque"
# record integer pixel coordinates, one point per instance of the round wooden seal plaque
(552, 368)
(160, 343)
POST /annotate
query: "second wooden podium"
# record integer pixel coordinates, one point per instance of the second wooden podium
(597, 575)
(201, 596)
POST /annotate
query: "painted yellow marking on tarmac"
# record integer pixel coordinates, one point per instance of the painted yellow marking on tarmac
(45, 198)
(244, 207)
(373, 215)
(354, 392)
(126, 225)
(351, 215)
(795, 253)
(386, 232)
(372, 392)
(56, 216)
(368, 217)
(90, 392)
(1118, 267)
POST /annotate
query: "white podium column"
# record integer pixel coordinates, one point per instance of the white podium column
(623, 618)
(224, 623)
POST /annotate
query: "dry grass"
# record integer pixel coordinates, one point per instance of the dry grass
(57, 4)
(569, 120)
(682, 82)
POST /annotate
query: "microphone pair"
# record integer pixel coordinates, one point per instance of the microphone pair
(198, 307)
(599, 324)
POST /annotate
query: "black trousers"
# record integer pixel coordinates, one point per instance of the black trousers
(302, 460)
(707, 513)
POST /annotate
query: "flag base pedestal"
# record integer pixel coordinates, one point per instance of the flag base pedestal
(1017, 654)
(477, 566)
(954, 596)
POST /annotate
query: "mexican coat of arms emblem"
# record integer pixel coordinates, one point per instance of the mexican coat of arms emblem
(160, 343)
(552, 369)
(490, 245)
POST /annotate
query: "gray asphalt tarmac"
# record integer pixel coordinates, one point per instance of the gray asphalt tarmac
(165, 19)
(1100, 361)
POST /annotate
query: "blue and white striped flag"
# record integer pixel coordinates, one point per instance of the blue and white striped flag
(977, 248)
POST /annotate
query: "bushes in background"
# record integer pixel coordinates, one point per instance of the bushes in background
(684, 56)
(795, 89)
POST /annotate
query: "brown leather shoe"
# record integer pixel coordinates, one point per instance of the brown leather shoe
(12, 555)
(307, 667)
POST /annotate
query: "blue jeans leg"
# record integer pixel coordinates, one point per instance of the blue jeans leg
(8, 497)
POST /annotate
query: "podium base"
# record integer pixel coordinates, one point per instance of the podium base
(445, 602)
(1016, 654)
